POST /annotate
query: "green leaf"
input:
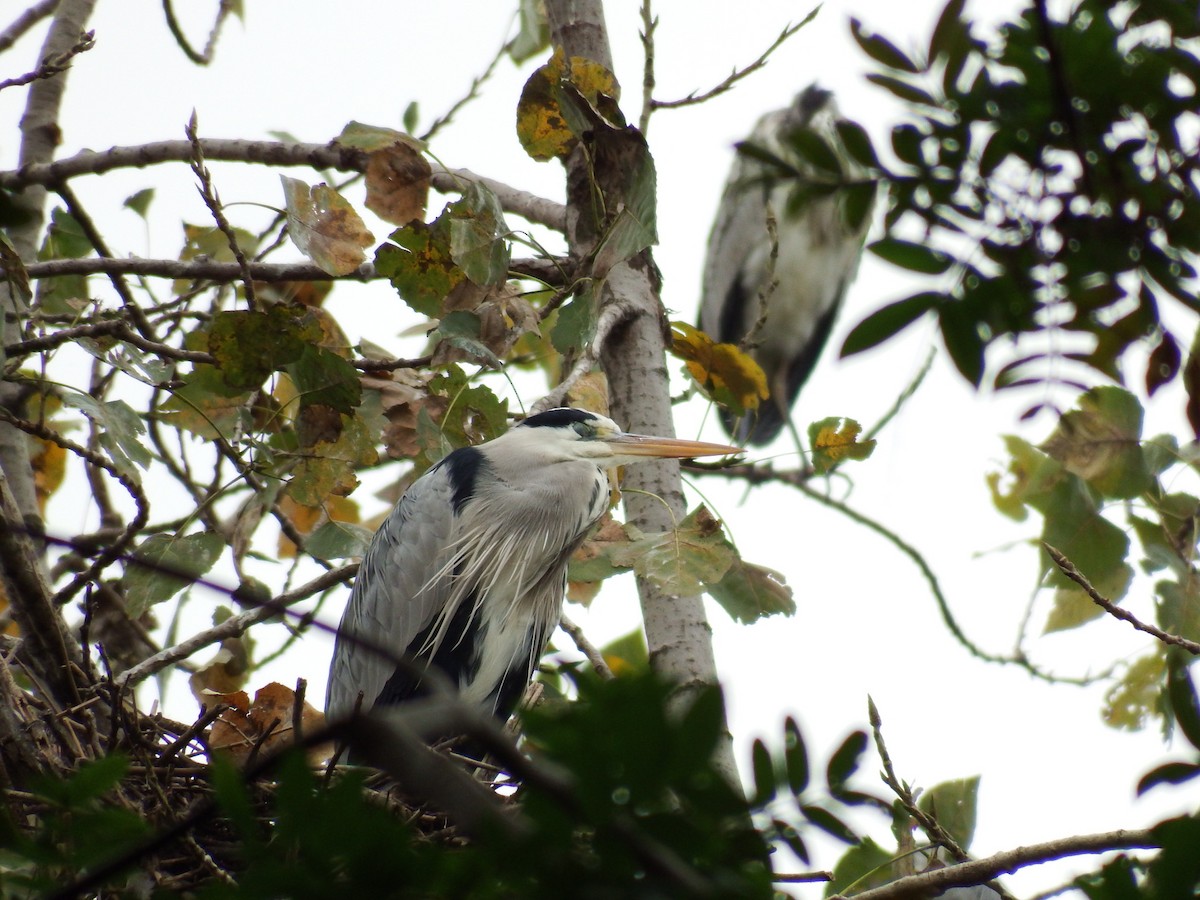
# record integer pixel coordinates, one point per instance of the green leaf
(338, 540)
(881, 49)
(862, 866)
(1168, 773)
(249, 345)
(912, 256)
(165, 564)
(420, 265)
(684, 560)
(902, 88)
(749, 592)
(533, 32)
(120, 427)
(478, 235)
(889, 321)
(575, 325)
(1100, 441)
(87, 783)
(764, 774)
(857, 143)
(829, 823)
(953, 804)
(635, 226)
(844, 762)
(1136, 697)
(960, 333)
(1182, 694)
(326, 378)
(811, 146)
(140, 202)
(795, 756)
(204, 404)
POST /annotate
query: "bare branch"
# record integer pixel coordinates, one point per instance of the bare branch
(117, 328)
(232, 627)
(25, 21)
(981, 871)
(586, 647)
(547, 271)
(274, 153)
(1068, 569)
(737, 74)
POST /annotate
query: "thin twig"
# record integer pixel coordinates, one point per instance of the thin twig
(587, 648)
(209, 194)
(199, 57)
(1068, 569)
(472, 93)
(96, 239)
(737, 74)
(649, 24)
(53, 65)
(614, 314)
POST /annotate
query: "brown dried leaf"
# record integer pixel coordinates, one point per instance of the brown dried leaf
(325, 227)
(398, 184)
(225, 673)
(402, 397)
(267, 723)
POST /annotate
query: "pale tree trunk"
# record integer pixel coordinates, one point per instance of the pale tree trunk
(677, 630)
(47, 649)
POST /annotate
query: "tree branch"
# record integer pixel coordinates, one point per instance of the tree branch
(25, 21)
(981, 871)
(273, 153)
(232, 627)
(1068, 569)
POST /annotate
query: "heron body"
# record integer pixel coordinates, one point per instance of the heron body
(818, 255)
(468, 572)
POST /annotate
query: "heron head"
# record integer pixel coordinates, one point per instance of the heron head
(580, 434)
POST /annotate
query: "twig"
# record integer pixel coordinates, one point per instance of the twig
(25, 21)
(199, 57)
(53, 65)
(117, 328)
(649, 24)
(209, 195)
(587, 648)
(801, 877)
(1068, 569)
(614, 314)
(737, 74)
(472, 93)
(928, 823)
(233, 626)
(96, 239)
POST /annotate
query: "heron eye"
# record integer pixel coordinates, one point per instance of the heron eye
(584, 429)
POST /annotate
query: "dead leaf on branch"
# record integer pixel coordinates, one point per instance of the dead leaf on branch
(398, 184)
(325, 227)
(725, 373)
(836, 439)
(267, 723)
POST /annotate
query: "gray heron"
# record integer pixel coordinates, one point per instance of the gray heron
(468, 572)
(818, 255)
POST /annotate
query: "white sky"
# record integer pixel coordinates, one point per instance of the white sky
(866, 622)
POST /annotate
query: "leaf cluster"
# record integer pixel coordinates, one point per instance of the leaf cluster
(1045, 178)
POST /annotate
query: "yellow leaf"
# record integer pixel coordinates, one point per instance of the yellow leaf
(543, 130)
(725, 374)
(834, 440)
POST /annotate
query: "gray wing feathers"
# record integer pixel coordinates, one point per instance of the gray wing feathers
(395, 595)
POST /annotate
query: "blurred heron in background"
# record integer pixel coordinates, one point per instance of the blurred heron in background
(780, 307)
(467, 574)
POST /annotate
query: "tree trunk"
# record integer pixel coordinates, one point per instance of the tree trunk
(677, 631)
